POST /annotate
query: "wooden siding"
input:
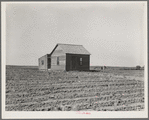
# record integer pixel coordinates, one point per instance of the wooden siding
(44, 66)
(62, 59)
(85, 62)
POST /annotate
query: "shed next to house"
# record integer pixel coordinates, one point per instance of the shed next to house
(66, 57)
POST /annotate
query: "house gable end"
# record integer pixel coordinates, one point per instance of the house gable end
(58, 59)
(56, 50)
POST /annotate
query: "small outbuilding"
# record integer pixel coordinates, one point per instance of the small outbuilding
(66, 57)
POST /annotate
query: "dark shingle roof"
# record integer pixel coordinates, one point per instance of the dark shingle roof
(73, 49)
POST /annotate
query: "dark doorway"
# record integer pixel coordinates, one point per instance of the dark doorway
(49, 63)
(73, 65)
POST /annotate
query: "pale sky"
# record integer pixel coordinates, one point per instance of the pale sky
(114, 33)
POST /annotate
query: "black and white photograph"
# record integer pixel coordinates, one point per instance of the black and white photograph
(74, 59)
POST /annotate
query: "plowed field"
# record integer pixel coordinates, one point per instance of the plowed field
(29, 89)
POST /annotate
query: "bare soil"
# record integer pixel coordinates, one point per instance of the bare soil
(29, 89)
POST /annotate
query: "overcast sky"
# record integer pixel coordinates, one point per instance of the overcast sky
(114, 33)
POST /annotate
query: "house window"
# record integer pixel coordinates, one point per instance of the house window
(80, 61)
(57, 60)
(42, 62)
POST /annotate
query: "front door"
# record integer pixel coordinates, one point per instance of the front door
(74, 62)
(49, 63)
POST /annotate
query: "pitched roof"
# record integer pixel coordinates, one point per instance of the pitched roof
(72, 49)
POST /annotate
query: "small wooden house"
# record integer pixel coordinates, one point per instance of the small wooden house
(66, 57)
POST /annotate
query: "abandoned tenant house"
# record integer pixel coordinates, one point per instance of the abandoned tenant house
(66, 57)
